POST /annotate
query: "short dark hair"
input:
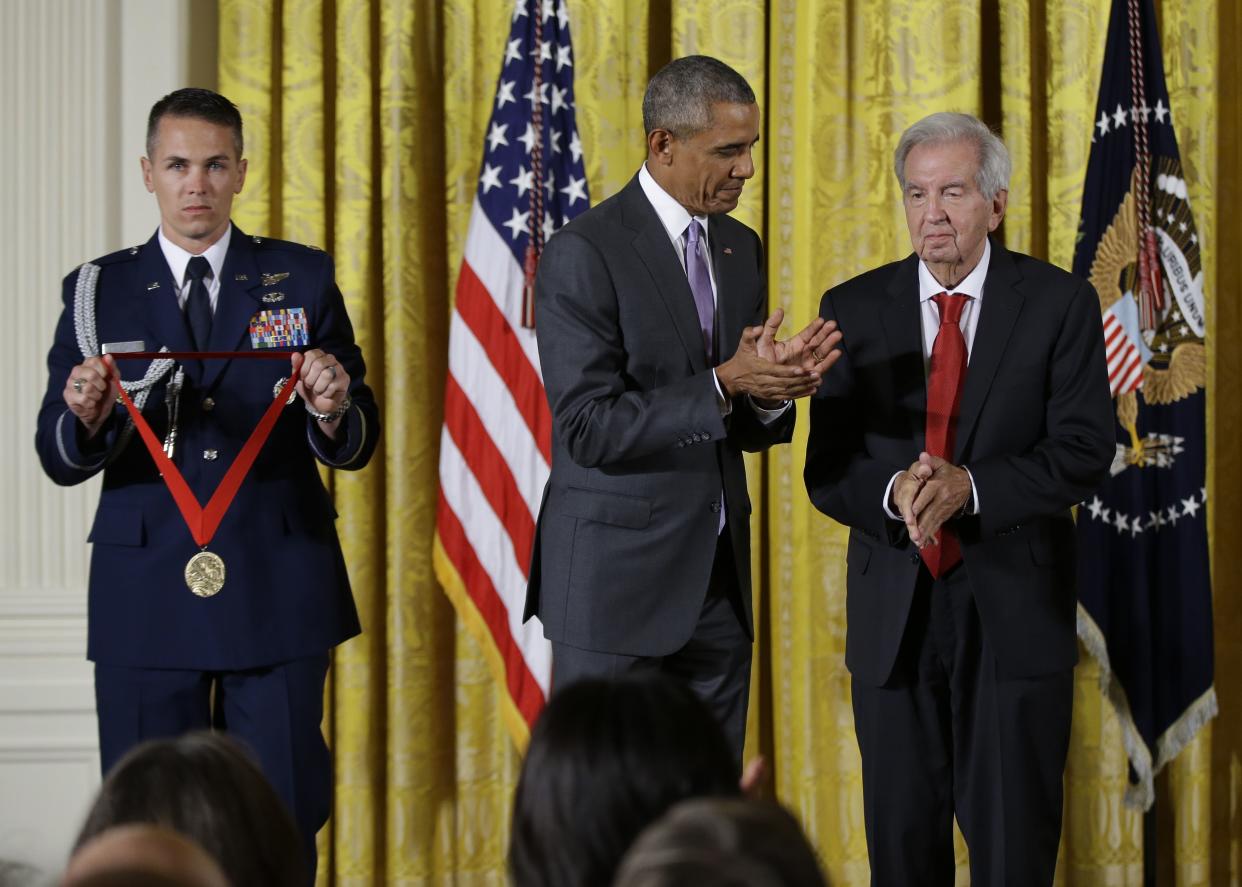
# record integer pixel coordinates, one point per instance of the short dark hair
(205, 786)
(202, 104)
(680, 96)
(606, 758)
(727, 842)
(130, 877)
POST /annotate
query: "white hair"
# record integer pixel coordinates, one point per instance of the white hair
(948, 126)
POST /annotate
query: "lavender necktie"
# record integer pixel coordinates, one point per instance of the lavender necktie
(701, 286)
(705, 304)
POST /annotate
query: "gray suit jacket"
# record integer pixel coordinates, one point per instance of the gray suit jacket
(640, 452)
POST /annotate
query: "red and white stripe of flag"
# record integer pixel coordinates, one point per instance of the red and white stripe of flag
(1125, 360)
(495, 453)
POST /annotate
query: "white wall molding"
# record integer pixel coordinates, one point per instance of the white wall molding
(78, 78)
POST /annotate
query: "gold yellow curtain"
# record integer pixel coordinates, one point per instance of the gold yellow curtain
(365, 121)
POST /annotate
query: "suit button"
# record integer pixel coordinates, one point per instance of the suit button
(210, 455)
(715, 507)
(208, 404)
(914, 558)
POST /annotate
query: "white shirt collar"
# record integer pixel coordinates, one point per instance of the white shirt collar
(673, 216)
(178, 258)
(972, 286)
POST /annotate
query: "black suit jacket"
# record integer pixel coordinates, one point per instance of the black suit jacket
(1035, 429)
(628, 526)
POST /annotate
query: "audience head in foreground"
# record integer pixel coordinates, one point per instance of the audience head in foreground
(204, 786)
(606, 759)
(726, 842)
(142, 856)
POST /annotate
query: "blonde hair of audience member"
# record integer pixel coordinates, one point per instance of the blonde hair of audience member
(142, 856)
(726, 842)
(205, 786)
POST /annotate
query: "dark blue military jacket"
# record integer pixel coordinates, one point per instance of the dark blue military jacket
(286, 594)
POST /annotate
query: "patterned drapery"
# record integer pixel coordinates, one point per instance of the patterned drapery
(365, 123)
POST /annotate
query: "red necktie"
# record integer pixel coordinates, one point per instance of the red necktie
(944, 391)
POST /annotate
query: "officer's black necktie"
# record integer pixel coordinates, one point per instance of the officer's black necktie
(198, 304)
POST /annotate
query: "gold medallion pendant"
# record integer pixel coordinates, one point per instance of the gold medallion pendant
(204, 574)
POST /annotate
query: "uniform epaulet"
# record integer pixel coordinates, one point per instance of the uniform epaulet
(287, 245)
(129, 254)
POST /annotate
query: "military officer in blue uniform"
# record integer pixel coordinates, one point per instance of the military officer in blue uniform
(174, 651)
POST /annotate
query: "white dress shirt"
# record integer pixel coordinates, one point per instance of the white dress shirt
(178, 260)
(929, 317)
(676, 220)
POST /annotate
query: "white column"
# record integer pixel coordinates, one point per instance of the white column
(77, 78)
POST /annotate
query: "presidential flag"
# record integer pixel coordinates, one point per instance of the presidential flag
(496, 444)
(1145, 599)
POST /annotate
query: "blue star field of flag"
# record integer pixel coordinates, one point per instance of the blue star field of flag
(539, 36)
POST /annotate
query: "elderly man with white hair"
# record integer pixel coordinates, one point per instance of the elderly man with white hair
(969, 412)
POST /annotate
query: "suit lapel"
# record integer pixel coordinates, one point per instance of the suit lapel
(657, 253)
(163, 314)
(998, 313)
(235, 305)
(731, 307)
(903, 331)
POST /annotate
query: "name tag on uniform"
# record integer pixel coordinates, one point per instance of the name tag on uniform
(280, 328)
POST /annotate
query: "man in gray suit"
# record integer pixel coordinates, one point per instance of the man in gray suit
(660, 370)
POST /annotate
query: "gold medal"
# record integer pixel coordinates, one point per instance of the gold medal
(204, 573)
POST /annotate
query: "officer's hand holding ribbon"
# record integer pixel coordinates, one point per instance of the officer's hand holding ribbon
(324, 385)
(88, 393)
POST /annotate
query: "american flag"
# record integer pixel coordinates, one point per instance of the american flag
(496, 444)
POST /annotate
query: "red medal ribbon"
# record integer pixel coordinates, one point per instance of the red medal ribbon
(203, 522)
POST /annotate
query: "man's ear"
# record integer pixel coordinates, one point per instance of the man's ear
(999, 203)
(660, 146)
(147, 170)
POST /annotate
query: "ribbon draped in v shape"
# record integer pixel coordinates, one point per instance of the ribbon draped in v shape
(203, 522)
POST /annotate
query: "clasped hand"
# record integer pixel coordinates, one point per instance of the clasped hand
(771, 371)
(927, 494)
(89, 392)
(322, 382)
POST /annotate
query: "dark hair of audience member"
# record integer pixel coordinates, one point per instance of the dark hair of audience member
(142, 855)
(726, 842)
(205, 786)
(606, 758)
(129, 878)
